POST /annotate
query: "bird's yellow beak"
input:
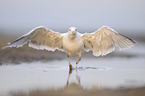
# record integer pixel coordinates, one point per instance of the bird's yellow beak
(73, 32)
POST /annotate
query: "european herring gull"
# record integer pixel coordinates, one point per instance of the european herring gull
(73, 43)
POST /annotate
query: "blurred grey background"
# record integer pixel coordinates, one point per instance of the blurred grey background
(124, 16)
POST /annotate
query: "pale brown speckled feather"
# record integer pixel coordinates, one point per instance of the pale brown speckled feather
(104, 40)
(40, 38)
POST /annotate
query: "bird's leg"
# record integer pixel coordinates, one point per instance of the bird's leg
(79, 59)
(70, 66)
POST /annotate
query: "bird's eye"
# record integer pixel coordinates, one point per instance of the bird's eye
(75, 29)
(69, 29)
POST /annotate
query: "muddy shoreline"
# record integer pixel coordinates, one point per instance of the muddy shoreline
(79, 92)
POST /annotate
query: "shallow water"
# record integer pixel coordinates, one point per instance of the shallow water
(89, 74)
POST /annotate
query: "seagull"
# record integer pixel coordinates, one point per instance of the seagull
(101, 42)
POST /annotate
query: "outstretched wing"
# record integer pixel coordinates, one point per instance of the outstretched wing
(104, 40)
(40, 38)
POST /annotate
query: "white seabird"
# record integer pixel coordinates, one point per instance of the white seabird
(73, 43)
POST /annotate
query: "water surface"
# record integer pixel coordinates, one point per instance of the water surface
(91, 74)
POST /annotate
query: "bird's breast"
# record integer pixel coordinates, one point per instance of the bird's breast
(73, 47)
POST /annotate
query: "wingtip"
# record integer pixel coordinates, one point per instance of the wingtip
(134, 41)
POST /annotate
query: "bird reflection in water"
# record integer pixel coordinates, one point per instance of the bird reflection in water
(73, 85)
(70, 88)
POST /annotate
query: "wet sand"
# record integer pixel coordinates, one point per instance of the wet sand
(77, 92)
(43, 73)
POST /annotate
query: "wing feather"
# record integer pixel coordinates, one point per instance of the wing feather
(104, 40)
(40, 38)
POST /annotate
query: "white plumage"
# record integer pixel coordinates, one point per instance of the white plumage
(101, 42)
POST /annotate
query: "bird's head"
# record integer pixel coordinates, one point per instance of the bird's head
(72, 32)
